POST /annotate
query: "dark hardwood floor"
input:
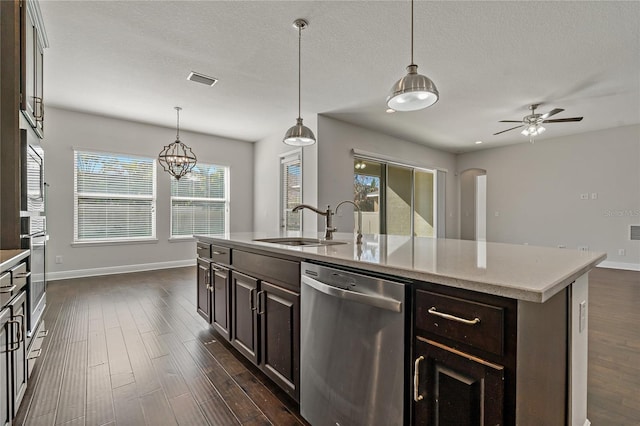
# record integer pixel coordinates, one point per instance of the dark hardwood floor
(614, 347)
(130, 350)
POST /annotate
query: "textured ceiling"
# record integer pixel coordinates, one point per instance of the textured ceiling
(489, 60)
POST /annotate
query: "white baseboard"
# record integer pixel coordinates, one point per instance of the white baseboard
(124, 269)
(620, 265)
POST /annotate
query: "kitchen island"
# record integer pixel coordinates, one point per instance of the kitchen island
(524, 362)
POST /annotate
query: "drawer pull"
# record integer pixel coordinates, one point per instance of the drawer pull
(7, 289)
(474, 321)
(416, 380)
(216, 252)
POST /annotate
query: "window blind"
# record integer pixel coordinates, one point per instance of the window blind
(199, 201)
(291, 191)
(114, 197)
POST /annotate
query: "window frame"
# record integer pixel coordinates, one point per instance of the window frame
(226, 200)
(96, 195)
(284, 158)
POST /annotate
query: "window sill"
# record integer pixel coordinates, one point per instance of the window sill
(185, 239)
(113, 242)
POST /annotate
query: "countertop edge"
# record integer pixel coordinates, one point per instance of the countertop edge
(15, 257)
(497, 289)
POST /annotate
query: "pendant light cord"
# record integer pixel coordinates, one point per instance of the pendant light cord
(299, 67)
(412, 33)
(178, 123)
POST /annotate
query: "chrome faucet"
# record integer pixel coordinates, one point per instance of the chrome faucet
(356, 208)
(329, 229)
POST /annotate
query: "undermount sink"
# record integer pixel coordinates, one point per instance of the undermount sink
(299, 241)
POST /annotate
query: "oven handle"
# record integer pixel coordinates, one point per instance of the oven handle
(376, 301)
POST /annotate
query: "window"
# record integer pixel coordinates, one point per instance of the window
(200, 202)
(114, 197)
(290, 190)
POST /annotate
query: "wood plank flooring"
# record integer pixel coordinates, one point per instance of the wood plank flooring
(131, 350)
(614, 348)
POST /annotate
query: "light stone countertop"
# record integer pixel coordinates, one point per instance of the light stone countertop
(520, 272)
(9, 258)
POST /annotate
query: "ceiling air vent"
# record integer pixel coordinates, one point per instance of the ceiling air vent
(635, 232)
(201, 78)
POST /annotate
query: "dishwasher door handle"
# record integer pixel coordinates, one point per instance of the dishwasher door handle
(377, 301)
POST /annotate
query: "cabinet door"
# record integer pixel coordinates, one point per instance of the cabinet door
(27, 64)
(19, 348)
(279, 311)
(38, 89)
(454, 388)
(220, 315)
(244, 322)
(203, 298)
(5, 368)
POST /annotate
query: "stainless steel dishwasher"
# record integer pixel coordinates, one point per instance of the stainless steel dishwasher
(352, 348)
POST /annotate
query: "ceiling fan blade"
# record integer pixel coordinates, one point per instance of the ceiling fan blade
(563, 120)
(522, 125)
(510, 121)
(552, 112)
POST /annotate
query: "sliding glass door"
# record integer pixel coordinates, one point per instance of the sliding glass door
(395, 199)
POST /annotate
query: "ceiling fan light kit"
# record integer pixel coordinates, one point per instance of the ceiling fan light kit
(413, 91)
(177, 158)
(299, 134)
(532, 123)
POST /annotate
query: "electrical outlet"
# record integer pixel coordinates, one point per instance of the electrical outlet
(583, 248)
(496, 214)
(584, 196)
(622, 252)
(594, 195)
(58, 259)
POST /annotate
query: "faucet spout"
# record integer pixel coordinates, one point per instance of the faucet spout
(328, 214)
(356, 208)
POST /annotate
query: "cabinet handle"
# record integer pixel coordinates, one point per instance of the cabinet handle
(261, 302)
(19, 337)
(252, 304)
(38, 114)
(216, 268)
(216, 252)
(433, 311)
(21, 333)
(416, 380)
(7, 289)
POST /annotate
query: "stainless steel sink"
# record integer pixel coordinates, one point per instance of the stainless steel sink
(299, 241)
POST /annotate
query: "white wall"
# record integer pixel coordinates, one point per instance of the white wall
(67, 130)
(535, 189)
(336, 139)
(266, 166)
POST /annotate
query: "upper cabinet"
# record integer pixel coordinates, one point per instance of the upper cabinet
(33, 41)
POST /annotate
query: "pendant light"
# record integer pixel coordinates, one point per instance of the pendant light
(299, 135)
(177, 158)
(413, 91)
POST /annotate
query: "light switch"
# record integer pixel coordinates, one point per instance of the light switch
(583, 316)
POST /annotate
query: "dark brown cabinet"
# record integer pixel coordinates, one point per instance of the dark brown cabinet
(220, 304)
(203, 292)
(454, 388)
(279, 311)
(244, 336)
(18, 350)
(5, 368)
(32, 43)
(463, 358)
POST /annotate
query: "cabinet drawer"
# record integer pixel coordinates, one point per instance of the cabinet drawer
(285, 273)
(19, 276)
(5, 281)
(220, 254)
(475, 324)
(203, 250)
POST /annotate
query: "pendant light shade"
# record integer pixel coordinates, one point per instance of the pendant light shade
(177, 158)
(413, 91)
(299, 135)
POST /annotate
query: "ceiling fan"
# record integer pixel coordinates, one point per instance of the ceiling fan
(532, 123)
